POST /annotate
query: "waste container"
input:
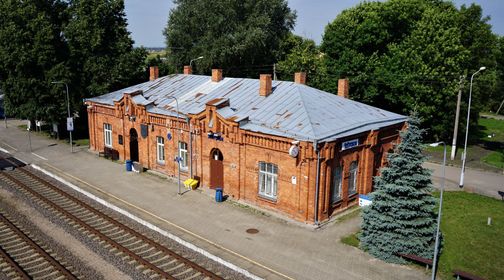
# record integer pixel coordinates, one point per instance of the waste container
(218, 194)
(129, 165)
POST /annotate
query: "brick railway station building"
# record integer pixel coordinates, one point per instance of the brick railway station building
(285, 146)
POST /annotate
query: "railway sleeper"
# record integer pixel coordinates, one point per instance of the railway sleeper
(184, 272)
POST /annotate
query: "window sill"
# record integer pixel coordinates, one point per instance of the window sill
(160, 163)
(337, 202)
(352, 196)
(267, 199)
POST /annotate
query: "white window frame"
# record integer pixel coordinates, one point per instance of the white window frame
(268, 180)
(182, 147)
(107, 134)
(160, 149)
(352, 178)
(337, 184)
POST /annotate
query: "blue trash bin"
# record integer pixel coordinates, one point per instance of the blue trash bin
(129, 165)
(218, 194)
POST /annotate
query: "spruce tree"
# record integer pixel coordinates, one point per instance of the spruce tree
(401, 218)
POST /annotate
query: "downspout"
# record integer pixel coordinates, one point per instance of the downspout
(317, 179)
(190, 151)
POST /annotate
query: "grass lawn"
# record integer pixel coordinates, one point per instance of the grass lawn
(483, 152)
(469, 243)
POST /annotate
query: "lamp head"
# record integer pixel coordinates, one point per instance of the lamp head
(436, 144)
(482, 68)
(202, 57)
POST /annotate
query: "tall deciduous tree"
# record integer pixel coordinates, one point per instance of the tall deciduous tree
(409, 54)
(102, 56)
(239, 36)
(300, 55)
(401, 218)
(32, 54)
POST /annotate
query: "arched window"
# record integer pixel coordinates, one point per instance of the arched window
(352, 179)
(336, 185)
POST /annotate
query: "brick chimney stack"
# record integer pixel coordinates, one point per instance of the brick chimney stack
(300, 78)
(216, 75)
(343, 88)
(265, 85)
(154, 73)
(187, 70)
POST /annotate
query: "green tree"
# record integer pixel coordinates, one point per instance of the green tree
(33, 54)
(102, 56)
(401, 218)
(240, 36)
(300, 55)
(403, 55)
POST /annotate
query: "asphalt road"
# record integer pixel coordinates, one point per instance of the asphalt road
(476, 181)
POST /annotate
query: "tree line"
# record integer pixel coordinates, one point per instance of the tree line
(400, 55)
(83, 43)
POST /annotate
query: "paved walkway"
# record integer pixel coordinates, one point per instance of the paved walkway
(281, 249)
(484, 183)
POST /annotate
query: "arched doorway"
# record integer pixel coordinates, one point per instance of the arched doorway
(133, 144)
(216, 169)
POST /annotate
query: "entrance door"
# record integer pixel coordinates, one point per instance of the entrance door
(216, 169)
(133, 145)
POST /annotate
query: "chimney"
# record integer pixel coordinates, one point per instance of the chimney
(265, 85)
(187, 70)
(154, 73)
(300, 78)
(343, 88)
(216, 75)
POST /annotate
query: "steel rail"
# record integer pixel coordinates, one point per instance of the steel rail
(25, 238)
(14, 265)
(114, 222)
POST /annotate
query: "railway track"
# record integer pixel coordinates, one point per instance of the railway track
(151, 258)
(24, 258)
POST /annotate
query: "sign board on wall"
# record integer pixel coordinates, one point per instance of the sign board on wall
(349, 144)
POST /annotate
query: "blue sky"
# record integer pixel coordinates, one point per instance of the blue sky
(148, 18)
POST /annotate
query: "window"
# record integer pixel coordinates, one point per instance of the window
(183, 154)
(336, 185)
(268, 180)
(352, 179)
(160, 150)
(107, 132)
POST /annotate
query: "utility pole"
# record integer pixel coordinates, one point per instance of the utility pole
(457, 114)
(274, 72)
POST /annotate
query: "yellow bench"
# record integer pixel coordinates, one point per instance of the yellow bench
(191, 184)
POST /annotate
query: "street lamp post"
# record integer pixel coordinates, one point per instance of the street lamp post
(68, 110)
(194, 59)
(464, 155)
(436, 245)
(178, 142)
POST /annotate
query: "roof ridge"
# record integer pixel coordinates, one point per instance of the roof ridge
(306, 111)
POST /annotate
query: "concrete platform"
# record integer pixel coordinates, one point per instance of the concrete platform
(281, 249)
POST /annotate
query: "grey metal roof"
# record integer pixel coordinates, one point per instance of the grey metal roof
(291, 110)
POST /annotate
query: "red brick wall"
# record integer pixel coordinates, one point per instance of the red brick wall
(242, 151)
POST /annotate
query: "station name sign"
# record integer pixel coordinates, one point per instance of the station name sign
(349, 144)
